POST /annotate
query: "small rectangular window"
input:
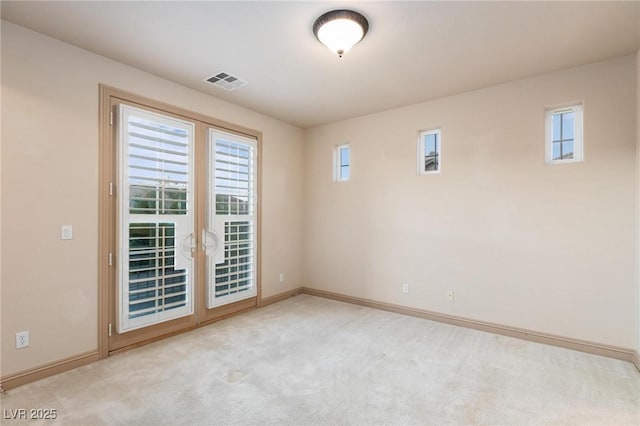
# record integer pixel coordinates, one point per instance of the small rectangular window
(564, 135)
(342, 163)
(429, 152)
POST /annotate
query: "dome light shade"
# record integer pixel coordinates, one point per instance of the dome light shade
(340, 30)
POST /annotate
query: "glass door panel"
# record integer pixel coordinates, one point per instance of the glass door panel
(155, 219)
(231, 219)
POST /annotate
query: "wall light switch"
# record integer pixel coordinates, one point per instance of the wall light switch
(67, 232)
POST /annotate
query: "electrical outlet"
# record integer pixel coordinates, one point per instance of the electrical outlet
(450, 295)
(22, 339)
(281, 277)
(405, 288)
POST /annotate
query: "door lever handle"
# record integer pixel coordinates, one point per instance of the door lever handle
(189, 244)
(210, 242)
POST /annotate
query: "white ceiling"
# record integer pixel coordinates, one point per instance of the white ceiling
(414, 51)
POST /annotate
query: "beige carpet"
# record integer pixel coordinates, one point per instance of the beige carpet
(311, 361)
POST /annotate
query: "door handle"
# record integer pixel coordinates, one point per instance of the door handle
(184, 252)
(188, 244)
(210, 242)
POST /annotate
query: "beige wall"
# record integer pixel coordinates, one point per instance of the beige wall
(548, 248)
(638, 198)
(1, 343)
(50, 178)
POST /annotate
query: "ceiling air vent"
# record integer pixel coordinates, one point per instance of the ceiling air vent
(226, 81)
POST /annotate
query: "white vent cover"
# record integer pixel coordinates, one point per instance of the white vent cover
(226, 81)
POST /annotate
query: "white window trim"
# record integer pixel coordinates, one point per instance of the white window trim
(336, 163)
(578, 137)
(421, 153)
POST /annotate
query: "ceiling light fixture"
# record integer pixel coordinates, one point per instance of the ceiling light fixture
(340, 30)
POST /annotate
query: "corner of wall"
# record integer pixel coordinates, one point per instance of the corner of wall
(69, 99)
(487, 218)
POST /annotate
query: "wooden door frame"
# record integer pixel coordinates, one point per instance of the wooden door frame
(107, 212)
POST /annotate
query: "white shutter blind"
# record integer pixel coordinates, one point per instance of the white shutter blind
(235, 275)
(232, 215)
(156, 217)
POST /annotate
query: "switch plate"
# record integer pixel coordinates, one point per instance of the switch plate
(281, 277)
(405, 288)
(66, 232)
(450, 295)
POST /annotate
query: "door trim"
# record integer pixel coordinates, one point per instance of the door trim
(107, 209)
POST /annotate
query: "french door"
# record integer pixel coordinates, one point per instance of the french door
(156, 218)
(185, 240)
(231, 191)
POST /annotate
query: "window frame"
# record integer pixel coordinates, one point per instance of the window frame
(578, 133)
(421, 151)
(337, 164)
